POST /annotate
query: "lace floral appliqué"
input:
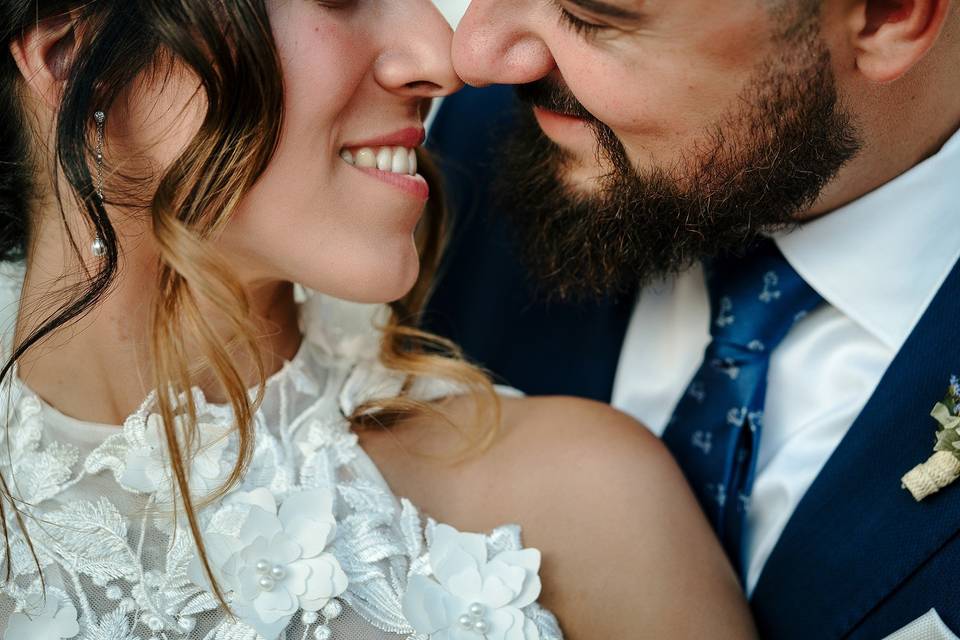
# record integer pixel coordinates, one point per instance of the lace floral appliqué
(311, 545)
(472, 590)
(274, 562)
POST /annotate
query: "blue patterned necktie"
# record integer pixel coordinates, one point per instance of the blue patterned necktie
(715, 430)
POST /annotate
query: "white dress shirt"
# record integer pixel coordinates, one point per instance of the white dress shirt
(878, 263)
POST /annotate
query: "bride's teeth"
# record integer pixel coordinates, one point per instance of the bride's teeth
(400, 162)
(366, 158)
(385, 159)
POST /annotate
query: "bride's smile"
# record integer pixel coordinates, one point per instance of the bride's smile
(391, 158)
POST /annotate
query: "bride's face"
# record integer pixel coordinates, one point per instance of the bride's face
(358, 76)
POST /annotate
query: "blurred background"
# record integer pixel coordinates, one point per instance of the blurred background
(452, 9)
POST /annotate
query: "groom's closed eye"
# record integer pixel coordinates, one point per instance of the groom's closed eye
(588, 18)
(606, 9)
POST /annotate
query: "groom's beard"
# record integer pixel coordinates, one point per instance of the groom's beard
(754, 173)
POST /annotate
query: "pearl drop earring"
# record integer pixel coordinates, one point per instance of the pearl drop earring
(98, 247)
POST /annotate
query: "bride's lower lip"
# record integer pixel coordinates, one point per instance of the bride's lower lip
(413, 185)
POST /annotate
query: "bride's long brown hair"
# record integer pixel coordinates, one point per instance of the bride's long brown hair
(229, 46)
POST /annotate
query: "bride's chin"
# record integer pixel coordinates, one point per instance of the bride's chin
(406, 283)
(390, 279)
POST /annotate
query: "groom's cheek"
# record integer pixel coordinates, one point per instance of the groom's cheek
(653, 115)
(660, 83)
(663, 93)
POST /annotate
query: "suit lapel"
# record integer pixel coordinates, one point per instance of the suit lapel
(857, 535)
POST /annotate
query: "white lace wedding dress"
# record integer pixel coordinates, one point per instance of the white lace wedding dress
(312, 545)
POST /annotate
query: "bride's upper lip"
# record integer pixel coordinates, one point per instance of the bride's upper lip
(408, 137)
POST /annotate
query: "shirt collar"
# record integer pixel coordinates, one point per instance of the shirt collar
(881, 259)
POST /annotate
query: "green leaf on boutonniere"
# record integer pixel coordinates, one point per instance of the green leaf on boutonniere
(948, 440)
(943, 467)
(948, 435)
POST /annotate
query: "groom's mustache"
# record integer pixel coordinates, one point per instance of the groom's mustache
(557, 97)
(553, 96)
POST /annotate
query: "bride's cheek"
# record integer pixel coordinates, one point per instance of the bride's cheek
(312, 217)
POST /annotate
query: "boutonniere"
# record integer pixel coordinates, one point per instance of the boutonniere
(943, 467)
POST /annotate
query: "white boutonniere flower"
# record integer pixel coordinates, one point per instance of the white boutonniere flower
(943, 467)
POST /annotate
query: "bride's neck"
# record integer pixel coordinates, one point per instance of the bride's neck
(97, 369)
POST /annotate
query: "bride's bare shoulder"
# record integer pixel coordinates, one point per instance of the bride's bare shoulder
(626, 550)
(538, 442)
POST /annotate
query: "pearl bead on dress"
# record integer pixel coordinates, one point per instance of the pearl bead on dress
(155, 623)
(332, 610)
(474, 620)
(266, 583)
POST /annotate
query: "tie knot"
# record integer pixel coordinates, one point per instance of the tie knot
(755, 299)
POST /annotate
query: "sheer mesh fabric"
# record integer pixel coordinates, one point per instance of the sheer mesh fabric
(119, 564)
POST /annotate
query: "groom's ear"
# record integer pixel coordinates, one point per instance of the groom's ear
(891, 36)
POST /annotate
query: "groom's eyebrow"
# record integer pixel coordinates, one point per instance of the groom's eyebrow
(605, 9)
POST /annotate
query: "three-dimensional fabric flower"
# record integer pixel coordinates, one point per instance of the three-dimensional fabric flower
(147, 464)
(470, 595)
(277, 562)
(52, 618)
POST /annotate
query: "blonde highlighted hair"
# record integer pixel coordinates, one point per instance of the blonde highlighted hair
(229, 47)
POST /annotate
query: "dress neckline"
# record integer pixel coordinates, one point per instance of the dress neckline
(329, 327)
(105, 513)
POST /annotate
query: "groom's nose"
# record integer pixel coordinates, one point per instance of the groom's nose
(497, 43)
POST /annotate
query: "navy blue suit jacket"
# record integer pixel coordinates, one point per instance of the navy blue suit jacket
(859, 558)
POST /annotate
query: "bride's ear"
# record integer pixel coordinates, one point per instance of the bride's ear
(44, 56)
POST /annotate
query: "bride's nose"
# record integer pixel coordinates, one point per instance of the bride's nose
(416, 60)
